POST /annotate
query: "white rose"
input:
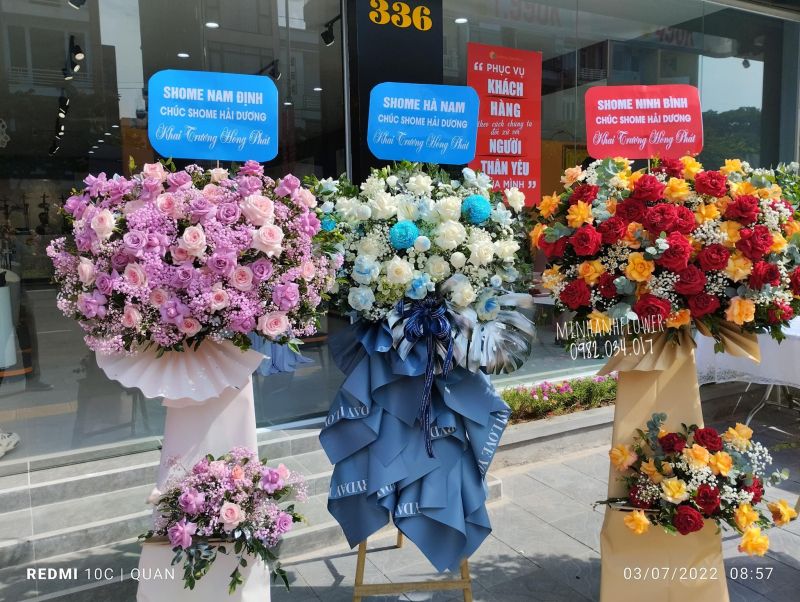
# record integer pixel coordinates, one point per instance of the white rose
(407, 210)
(363, 212)
(458, 260)
(449, 235)
(515, 198)
(481, 253)
(383, 205)
(449, 208)
(419, 185)
(399, 271)
(463, 294)
(422, 244)
(506, 249)
(391, 181)
(437, 267)
(347, 208)
(86, 271)
(218, 174)
(258, 209)
(103, 224)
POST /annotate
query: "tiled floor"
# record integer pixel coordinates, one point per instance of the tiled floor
(545, 543)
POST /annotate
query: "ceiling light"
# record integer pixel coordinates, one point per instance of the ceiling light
(461, 20)
(317, 89)
(74, 50)
(106, 133)
(287, 103)
(95, 146)
(115, 126)
(76, 4)
(91, 152)
(63, 105)
(183, 55)
(327, 35)
(212, 25)
(68, 75)
(100, 141)
(76, 67)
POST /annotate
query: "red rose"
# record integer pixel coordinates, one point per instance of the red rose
(636, 501)
(676, 257)
(707, 497)
(763, 273)
(708, 438)
(648, 188)
(631, 210)
(712, 183)
(684, 220)
(576, 294)
(553, 249)
(779, 312)
(755, 242)
(612, 230)
(661, 218)
(586, 241)
(584, 192)
(794, 281)
(606, 286)
(743, 209)
(713, 257)
(702, 304)
(757, 489)
(672, 443)
(649, 307)
(687, 520)
(691, 281)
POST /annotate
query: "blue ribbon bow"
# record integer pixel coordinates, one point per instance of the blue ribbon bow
(427, 318)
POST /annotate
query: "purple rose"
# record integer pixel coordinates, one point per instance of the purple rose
(118, 187)
(183, 276)
(283, 523)
(180, 534)
(286, 296)
(178, 181)
(242, 323)
(151, 188)
(75, 206)
(262, 269)
(228, 213)
(173, 311)
(200, 209)
(287, 186)
(105, 283)
(135, 242)
(158, 243)
(119, 260)
(248, 185)
(201, 467)
(95, 185)
(191, 501)
(271, 481)
(251, 168)
(309, 224)
(222, 263)
(84, 240)
(92, 305)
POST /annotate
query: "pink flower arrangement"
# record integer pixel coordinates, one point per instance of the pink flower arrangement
(235, 498)
(171, 258)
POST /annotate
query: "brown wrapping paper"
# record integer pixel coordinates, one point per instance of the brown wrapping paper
(656, 566)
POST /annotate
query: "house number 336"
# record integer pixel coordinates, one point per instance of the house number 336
(400, 15)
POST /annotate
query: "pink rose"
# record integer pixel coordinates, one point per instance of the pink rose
(168, 205)
(273, 324)
(268, 239)
(213, 193)
(179, 254)
(304, 196)
(219, 300)
(237, 473)
(86, 271)
(158, 296)
(103, 224)
(283, 471)
(242, 278)
(308, 270)
(154, 170)
(230, 515)
(189, 326)
(135, 275)
(218, 174)
(193, 240)
(258, 209)
(131, 317)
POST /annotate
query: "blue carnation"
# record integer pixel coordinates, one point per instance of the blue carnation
(476, 209)
(403, 234)
(328, 224)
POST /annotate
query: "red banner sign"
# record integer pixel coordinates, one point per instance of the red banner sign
(639, 122)
(509, 84)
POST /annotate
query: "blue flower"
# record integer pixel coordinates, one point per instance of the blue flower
(328, 224)
(487, 306)
(420, 286)
(361, 298)
(365, 269)
(403, 234)
(476, 209)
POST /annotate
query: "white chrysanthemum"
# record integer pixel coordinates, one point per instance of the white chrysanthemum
(506, 249)
(372, 186)
(419, 185)
(347, 208)
(515, 198)
(407, 209)
(449, 208)
(481, 252)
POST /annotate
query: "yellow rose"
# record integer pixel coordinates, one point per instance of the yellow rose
(744, 516)
(740, 310)
(691, 167)
(739, 267)
(637, 522)
(731, 165)
(704, 212)
(731, 230)
(753, 543)
(721, 463)
(630, 239)
(639, 269)
(552, 277)
(635, 177)
(697, 456)
(649, 468)
(742, 188)
(580, 213)
(611, 206)
(666, 468)
(679, 318)
(722, 203)
(674, 490)
(772, 192)
(622, 457)
(778, 242)
(738, 436)
(549, 204)
(791, 228)
(677, 190)
(599, 322)
(590, 271)
(782, 512)
(536, 234)
(571, 175)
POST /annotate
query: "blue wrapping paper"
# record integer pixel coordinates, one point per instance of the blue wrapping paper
(277, 358)
(372, 435)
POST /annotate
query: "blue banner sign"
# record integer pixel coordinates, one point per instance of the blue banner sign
(208, 115)
(423, 122)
